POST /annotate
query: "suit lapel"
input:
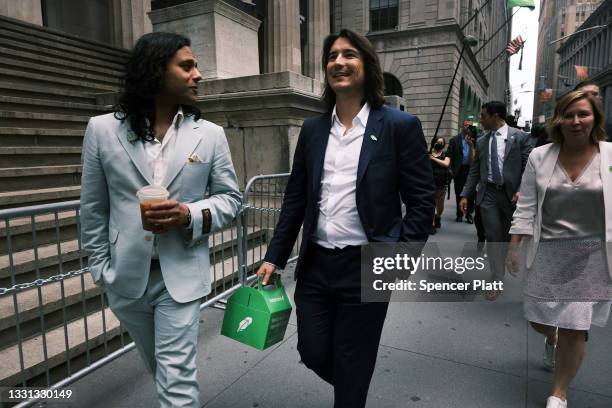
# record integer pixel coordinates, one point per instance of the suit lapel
(511, 138)
(321, 137)
(136, 152)
(370, 141)
(187, 140)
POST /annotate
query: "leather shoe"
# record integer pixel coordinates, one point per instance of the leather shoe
(459, 218)
(469, 219)
(492, 295)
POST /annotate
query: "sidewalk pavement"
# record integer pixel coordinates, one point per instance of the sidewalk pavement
(432, 355)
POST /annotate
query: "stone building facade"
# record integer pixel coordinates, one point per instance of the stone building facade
(262, 64)
(593, 49)
(558, 18)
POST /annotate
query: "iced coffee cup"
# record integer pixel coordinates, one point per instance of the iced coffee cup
(147, 196)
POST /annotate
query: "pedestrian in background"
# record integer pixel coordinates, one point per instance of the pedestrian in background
(562, 213)
(440, 165)
(459, 154)
(500, 159)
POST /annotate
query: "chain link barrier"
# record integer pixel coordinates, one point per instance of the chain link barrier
(19, 287)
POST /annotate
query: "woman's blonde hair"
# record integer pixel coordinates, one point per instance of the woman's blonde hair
(597, 134)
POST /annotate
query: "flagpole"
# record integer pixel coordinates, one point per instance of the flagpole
(494, 59)
(474, 15)
(498, 30)
(576, 32)
(467, 40)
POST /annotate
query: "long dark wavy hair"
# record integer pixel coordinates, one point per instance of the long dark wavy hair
(374, 82)
(144, 77)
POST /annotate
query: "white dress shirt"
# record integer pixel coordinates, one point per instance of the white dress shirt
(159, 155)
(338, 224)
(501, 135)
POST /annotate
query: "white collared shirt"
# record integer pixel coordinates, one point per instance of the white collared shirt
(338, 224)
(159, 155)
(501, 135)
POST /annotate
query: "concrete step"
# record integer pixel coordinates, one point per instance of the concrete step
(10, 87)
(10, 62)
(24, 136)
(76, 290)
(15, 103)
(37, 120)
(19, 53)
(34, 48)
(40, 155)
(99, 330)
(56, 39)
(34, 362)
(28, 178)
(39, 196)
(47, 81)
(27, 233)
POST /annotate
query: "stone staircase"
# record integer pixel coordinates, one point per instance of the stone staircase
(49, 84)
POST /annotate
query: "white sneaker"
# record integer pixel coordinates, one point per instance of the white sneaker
(554, 402)
(549, 355)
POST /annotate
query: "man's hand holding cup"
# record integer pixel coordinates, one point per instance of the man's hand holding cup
(159, 215)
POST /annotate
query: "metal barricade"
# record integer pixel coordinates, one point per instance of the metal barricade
(53, 316)
(261, 206)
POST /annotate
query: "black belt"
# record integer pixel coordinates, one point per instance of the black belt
(498, 187)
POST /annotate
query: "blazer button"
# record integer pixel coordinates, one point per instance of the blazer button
(148, 237)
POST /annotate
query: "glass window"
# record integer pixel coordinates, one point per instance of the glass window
(383, 14)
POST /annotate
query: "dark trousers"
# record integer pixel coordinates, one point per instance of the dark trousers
(338, 335)
(496, 211)
(459, 181)
(478, 223)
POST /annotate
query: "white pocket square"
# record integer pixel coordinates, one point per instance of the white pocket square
(194, 158)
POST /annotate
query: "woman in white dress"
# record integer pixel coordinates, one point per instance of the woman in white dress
(564, 215)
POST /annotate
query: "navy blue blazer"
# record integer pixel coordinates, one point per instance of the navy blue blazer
(394, 167)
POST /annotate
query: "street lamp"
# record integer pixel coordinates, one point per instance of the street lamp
(467, 40)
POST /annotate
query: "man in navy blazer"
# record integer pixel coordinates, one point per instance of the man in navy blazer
(353, 168)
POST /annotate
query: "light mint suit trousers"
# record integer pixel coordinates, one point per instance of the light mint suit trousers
(165, 333)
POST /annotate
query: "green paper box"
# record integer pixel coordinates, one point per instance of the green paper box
(257, 316)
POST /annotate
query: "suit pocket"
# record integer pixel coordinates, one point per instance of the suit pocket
(194, 179)
(113, 234)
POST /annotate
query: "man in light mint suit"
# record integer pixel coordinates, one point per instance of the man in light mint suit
(154, 281)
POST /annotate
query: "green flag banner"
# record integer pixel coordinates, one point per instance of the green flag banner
(520, 3)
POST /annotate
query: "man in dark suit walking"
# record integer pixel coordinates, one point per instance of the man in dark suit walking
(459, 152)
(501, 157)
(353, 168)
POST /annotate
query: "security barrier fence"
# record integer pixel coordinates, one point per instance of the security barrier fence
(55, 324)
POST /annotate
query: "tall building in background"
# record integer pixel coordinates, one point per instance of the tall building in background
(419, 42)
(558, 18)
(591, 52)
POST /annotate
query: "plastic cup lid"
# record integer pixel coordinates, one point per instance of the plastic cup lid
(152, 191)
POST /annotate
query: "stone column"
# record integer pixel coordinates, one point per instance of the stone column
(283, 37)
(29, 11)
(318, 28)
(131, 21)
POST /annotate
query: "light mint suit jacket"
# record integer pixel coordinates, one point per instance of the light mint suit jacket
(114, 168)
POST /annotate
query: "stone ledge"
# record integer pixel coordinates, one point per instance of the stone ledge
(196, 8)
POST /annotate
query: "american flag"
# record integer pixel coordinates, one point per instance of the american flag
(515, 45)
